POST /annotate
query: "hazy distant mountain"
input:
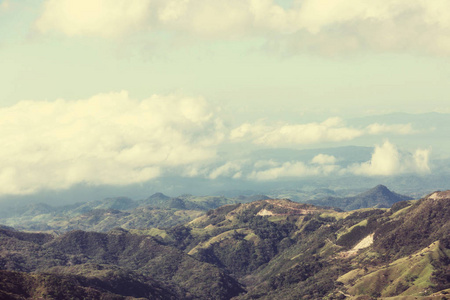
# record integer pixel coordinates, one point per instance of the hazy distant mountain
(160, 210)
(246, 199)
(379, 196)
(157, 199)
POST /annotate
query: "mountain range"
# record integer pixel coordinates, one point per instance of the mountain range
(379, 196)
(264, 249)
(159, 210)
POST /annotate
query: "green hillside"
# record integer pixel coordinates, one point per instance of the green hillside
(266, 249)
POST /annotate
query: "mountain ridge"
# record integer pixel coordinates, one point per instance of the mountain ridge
(379, 196)
(265, 249)
(159, 210)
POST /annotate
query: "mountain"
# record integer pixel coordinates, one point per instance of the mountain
(285, 250)
(191, 202)
(158, 210)
(157, 200)
(114, 285)
(103, 220)
(266, 249)
(135, 262)
(379, 196)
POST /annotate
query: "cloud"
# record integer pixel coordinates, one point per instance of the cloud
(393, 25)
(323, 159)
(228, 169)
(113, 139)
(318, 26)
(261, 164)
(387, 160)
(107, 139)
(293, 169)
(104, 18)
(420, 162)
(203, 18)
(287, 169)
(330, 130)
(396, 128)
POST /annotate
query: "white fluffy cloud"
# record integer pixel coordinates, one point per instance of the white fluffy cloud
(292, 170)
(396, 128)
(112, 139)
(387, 160)
(331, 130)
(287, 169)
(106, 139)
(310, 25)
(323, 159)
(291, 134)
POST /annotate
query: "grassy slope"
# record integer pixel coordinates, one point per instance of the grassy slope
(407, 276)
(120, 250)
(278, 248)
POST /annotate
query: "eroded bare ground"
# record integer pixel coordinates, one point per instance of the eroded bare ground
(440, 195)
(289, 208)
(364, 243)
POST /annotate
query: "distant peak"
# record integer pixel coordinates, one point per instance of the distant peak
(379, 189)
(159, 195)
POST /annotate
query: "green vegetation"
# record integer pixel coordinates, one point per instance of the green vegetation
(267, 249)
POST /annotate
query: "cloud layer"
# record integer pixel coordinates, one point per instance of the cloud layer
(386, 160)
(113, 139)
(106, 139)
(309, 25)
(293, 169)
(331, 130)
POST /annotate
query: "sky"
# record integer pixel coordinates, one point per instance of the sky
(120, 92)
